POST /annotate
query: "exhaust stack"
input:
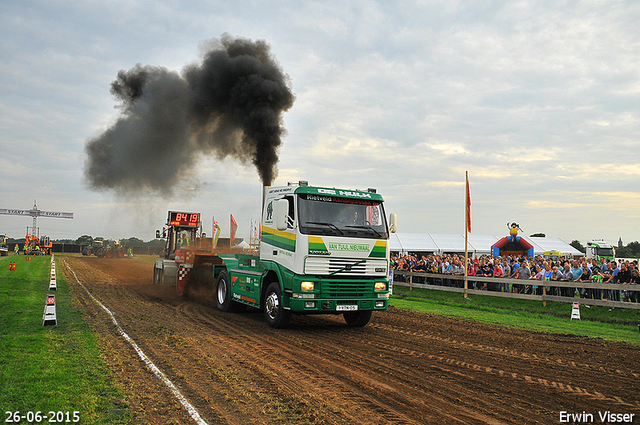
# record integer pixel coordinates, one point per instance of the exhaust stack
(264, 197)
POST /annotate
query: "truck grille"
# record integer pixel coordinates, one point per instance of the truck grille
(347, 289)
(345, 267)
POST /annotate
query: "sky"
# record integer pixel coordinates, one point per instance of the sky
(538, 100)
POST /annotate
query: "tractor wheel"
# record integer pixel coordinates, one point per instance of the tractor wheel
(99, 252)
(110, 253)
(120, 253)
(274, 312)
(357, 319)
(158, 276)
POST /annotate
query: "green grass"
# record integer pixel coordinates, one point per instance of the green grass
(50, 368)
(601, 322)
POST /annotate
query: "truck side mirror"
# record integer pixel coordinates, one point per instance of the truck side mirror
(280, 212)
(157, 234)
(393, 222)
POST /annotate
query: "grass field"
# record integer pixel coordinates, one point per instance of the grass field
(601, 322)
(50, 368)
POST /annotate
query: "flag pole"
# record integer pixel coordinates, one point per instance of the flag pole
(466, 235)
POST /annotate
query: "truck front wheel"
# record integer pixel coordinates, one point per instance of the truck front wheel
(357, 319)
(274, 312)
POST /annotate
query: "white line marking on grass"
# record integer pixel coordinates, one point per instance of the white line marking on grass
(157, 372)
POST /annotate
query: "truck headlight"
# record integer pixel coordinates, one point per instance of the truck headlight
(380, 286)
(307, 286)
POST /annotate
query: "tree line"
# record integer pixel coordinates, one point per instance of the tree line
(88, 240)
(631, 250)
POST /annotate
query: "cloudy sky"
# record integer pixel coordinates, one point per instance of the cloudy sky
(538, 100)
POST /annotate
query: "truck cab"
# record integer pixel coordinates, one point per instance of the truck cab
(322, 251)
(600, 250)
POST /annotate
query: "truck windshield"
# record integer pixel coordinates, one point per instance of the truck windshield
(605, 252)
(335, 216)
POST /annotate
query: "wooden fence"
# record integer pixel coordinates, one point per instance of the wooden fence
(431, 281)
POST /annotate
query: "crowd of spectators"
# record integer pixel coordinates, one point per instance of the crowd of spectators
(528, 272)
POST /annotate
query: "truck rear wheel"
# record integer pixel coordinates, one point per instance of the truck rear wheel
(357, 319)
(274, 312)
(223, 295)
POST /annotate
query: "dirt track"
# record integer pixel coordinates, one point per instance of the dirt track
(403, 368)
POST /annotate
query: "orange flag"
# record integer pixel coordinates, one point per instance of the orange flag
(234, 227)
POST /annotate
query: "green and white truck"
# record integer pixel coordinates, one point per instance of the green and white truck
(600, 250)
(322, 251)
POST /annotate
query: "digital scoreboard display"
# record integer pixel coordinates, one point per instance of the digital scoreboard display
(184, 219)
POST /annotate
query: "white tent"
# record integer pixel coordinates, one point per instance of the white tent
(243, 245)
(449, 243)
(481, 244)
(412, 242)
(541, 245)
(478, 244)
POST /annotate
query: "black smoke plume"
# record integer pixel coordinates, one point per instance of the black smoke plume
(231, 104)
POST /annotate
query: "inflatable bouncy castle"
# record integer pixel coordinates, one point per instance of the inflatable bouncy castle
(512, 244)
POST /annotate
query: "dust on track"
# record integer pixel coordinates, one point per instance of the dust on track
(403, 368)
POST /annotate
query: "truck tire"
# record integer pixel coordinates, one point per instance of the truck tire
(357, 319)
(274, 312)
(223, 295)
